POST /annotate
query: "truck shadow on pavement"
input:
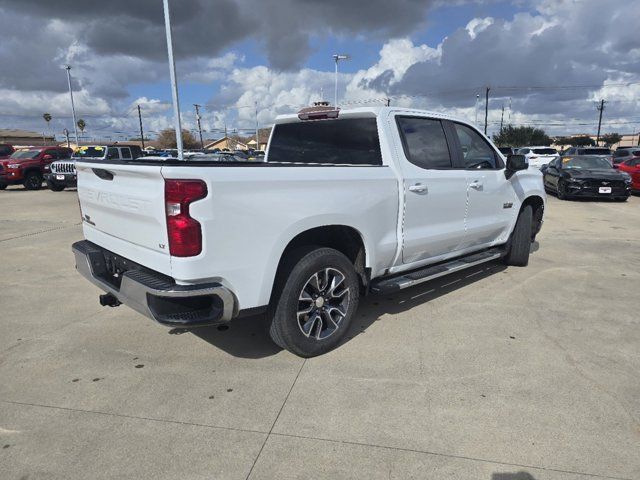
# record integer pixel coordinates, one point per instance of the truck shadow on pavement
(249, 337)
(512, 476)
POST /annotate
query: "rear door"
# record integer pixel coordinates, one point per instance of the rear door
(123, 209)
(491, 196)
(434, 191)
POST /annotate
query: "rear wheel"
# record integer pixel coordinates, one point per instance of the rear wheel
(520, 244)
(3, 186)
(33, 181)
(315, 299)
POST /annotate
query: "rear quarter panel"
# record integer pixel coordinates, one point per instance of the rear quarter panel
(252, 213)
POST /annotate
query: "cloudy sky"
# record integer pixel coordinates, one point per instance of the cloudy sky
(548, 62)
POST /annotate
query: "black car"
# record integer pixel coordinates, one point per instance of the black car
(586, 176)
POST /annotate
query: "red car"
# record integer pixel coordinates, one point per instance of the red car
(632, 167)
(26, 166)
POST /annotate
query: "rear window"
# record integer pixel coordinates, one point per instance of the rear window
(545, 151)
(351, 141)
(595, 151)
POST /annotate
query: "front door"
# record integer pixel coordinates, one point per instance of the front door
(434, 191)
(491, 196)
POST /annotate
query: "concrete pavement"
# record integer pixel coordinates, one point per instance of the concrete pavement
(497, 373)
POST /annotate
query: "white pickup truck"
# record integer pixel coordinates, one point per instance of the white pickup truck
(348, 202)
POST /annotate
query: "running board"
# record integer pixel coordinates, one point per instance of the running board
(406, 280)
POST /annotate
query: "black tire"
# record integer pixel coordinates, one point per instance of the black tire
(54, 187)
(3, 186)
(622, 199)
(520, 243)
(561, 193)
(33, 181)
(295, 281)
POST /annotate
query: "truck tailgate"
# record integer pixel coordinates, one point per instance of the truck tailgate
(123, 210)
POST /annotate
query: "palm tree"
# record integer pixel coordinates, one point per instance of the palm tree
(82, 125)
(47, 118)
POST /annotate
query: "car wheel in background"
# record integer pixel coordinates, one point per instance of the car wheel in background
(54, 187)
(3, 186)
(562, 191)
(621, 199)
(33, 181)
(315, 299)
(520, 244)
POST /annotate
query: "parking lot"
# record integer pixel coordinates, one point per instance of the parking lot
(497, 373)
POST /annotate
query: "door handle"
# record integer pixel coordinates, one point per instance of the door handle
(476, 185)
(418, 188)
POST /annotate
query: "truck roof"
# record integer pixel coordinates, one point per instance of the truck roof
(373, 111)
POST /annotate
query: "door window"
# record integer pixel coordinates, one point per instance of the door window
(112, 154)
(125, 153)
(476, 152)
(424, 141)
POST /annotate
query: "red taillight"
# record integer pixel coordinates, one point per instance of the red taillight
(185, 234)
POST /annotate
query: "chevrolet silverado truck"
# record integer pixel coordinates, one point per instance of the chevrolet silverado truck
(347, 202)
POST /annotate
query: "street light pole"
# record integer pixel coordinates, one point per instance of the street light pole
(257, 130)
(73, 108)
(337, 57)
(174, 82)
(477, 101)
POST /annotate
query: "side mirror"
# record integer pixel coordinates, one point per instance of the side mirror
(47, 157)
(515, 163)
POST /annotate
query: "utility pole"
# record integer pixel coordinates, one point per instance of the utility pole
(387, 102)
(141, 131)
(502, 117)
(601, 109)
(486, 109)
(199, 125)
(73, 108)
(509, 118)
(257, 129)
(174, 83)
(337, 57)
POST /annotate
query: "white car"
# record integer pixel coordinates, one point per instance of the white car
(537, 157)
(347, 203)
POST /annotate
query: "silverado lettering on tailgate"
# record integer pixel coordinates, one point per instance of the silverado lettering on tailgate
(110, 199)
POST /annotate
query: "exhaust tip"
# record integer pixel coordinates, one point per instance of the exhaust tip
(109, 300)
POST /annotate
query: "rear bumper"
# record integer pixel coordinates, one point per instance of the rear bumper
(153, 294)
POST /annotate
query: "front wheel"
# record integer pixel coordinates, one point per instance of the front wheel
(520, 244)
(316, 297)
(3, 186)
(622, 199)
(562, 191)
(33, 181)
(55, 187)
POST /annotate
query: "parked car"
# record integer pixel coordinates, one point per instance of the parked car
(624, 154)
(537, 157)
(586, 176)
(27, 166)
(632, 168)
(507, 150)
(190, 243)
(6, 150)
(580, 151)
(62, 174)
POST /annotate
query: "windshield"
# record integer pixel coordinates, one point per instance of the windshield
(90, 152)
(545, 151)
(586, 163)
(25, 154)
(595, 151)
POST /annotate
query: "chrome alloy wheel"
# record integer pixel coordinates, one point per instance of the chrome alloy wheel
(323, 304)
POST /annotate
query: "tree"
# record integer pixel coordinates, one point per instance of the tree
(611, 138)
(511, 136)
(582, 141)
(82, 125)
(47, 118)
(167, 139)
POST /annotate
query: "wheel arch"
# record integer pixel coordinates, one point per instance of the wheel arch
(537, 205)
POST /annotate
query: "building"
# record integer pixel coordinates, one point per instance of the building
(25, 138)
(229, 143)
